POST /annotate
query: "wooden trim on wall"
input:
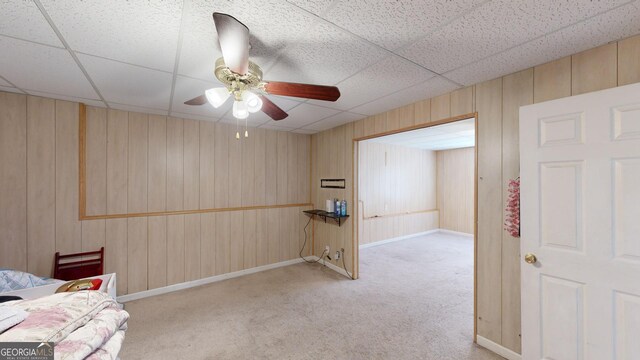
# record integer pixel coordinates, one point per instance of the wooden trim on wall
(82, 188)
(475, 236)
(355, 210)
(313, 223)
(189, 212)
(419, 126)
(398, 214)
(82, 138)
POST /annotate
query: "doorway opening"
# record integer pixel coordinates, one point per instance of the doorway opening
(415, 192)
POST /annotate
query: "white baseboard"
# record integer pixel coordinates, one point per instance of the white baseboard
(456, 233)
(208, 280)
(216, 278)
(498, 349)
(399, 238)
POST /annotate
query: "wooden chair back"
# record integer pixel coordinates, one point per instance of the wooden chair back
(79, 265)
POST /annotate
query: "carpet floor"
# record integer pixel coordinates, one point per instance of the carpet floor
(414, 300)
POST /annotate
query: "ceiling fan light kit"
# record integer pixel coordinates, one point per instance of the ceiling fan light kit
(254, 103)
(217, 96)
(240, 110)
(243, 78)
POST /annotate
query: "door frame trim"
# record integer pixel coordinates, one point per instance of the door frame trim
(355, 255)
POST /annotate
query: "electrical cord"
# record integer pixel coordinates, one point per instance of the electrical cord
(305, 244)
(345, 266)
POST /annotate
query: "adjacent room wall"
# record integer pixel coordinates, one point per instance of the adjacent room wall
(497, 102)
(139, 163)
(397, 191)
(456, 186)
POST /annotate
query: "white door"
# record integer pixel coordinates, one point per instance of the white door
(580, 217)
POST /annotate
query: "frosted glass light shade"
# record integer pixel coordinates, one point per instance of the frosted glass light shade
(254, 103)
(240, 110)
(217, 96)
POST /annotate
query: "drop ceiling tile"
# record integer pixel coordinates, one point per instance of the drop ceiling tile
(256, 119)
(127, 84)
(616, 24)
(333, 121)
(90, 102)
(23, 19)
(194, 117)
(44, 68)
(200, 47)
(386, 77)
(284, 102)
(497, 26)
(138, 109)
(428, 89)
(316, 7)
(273, 25)
(10, 89)
(392, 24)
(305, 114)
(275, 127)
(326, 56)
(187, 88)
(251, 122)
(304, 131)
(143, 33)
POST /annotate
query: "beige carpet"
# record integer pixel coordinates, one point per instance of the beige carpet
(414, 300)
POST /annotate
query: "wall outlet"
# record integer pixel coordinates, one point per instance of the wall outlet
(337, 255)
(327, 249)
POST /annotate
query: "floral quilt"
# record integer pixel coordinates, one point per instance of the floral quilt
(83, 324)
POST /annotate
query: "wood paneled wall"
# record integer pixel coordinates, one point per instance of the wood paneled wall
(396, 179)
(145, 163)
(397, 191)
(456, 187)
(136, 164)
(398, 225)
(497, 102)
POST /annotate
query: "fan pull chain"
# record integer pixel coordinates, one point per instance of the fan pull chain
(246, 128)
(237, 130)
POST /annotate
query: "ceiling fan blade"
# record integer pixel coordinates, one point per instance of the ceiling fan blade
(271, 109)
(234, 42)
(200, 100)
(307, 91)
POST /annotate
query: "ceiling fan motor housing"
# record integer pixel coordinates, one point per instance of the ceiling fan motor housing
(237, 83)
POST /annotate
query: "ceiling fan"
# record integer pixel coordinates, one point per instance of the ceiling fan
(243, 78)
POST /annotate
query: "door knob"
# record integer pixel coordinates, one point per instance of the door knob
(530, 258)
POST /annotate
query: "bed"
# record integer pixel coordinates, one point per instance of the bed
(87, 324)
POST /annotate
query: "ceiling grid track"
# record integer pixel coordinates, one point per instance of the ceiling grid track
(71, 52)
(12, 84)
(356, 48)
(176, 62)
(394, 51)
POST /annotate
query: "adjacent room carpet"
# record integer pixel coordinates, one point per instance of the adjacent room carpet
(414, 300)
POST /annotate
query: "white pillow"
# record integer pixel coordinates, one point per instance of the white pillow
(10, 317)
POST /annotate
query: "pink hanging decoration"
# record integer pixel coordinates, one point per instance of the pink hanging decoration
(512, 218)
